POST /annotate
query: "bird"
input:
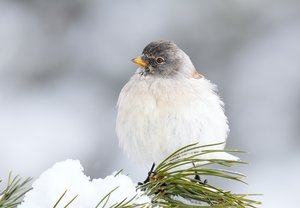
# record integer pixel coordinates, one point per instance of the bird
(166, 105)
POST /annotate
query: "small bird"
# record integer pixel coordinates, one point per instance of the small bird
(168, 104)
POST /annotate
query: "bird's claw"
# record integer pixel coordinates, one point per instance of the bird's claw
(198, 179)
(149, 175)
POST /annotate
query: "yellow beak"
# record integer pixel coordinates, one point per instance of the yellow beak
(140, 62)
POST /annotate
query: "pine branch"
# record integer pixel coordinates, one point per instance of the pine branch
(15, 189)
(172, 183)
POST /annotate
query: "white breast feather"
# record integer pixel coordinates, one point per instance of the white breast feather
(158, 116)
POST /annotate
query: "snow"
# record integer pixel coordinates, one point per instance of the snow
(68, 175)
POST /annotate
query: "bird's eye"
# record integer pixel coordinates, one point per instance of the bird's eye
(160, 60)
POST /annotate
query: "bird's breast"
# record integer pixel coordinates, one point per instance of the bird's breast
(156, 117)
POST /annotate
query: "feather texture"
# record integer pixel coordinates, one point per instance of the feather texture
(157, 116)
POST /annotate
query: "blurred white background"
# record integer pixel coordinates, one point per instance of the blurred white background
(63, 63)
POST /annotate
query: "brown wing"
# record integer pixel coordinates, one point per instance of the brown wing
(197, 75)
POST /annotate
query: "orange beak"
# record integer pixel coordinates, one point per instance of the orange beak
(140, 62)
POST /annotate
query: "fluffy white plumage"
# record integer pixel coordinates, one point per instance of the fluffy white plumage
(158, 115)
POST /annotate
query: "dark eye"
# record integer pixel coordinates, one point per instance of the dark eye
(160, 60)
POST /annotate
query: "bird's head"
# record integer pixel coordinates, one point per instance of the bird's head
(163, 59)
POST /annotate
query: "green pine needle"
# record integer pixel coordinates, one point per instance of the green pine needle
(15, 189)
(125, 203)
(173, 185)
(61, 197)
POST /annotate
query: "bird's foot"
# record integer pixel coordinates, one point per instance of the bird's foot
(197, 179)
(150, 173)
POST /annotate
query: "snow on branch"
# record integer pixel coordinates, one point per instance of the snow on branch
(175, 182)
(68, 175)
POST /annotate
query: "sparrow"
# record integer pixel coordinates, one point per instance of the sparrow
(167, 104)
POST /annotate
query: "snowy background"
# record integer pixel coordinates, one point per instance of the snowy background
(63, 63)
